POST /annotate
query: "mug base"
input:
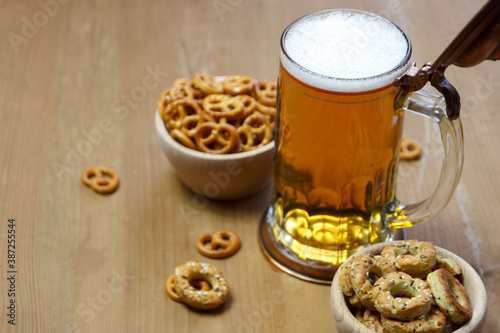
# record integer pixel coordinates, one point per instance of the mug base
(287, 261)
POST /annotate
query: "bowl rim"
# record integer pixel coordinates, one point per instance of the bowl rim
(475, 323)
(165, 136)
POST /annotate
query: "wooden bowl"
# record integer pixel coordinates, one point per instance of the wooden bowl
(222, 177)
(346, 322)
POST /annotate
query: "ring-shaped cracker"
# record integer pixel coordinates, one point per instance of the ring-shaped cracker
(399, 296)
(219, 244)
(365, 270)
(410, 149)
(432, 322)
(255, 132)
(371, 319)
(101, 179)
(412, 256)
(203, 300)
(449, 264)
(450, 296)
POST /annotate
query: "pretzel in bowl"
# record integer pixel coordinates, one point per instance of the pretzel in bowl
(216, 138)
(101, 179)
(219, 244)
(236, 100)
(198, 299)
(266, 92)
(238, 84)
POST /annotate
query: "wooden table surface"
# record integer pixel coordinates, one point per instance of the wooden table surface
(79, 82)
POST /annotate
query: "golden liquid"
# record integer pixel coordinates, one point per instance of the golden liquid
(335, 169)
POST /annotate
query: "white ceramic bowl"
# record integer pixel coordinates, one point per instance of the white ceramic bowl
(346, 322)
(223, 177)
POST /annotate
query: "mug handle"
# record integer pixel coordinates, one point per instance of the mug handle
(432, 106)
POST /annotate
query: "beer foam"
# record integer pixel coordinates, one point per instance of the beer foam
(345, 51)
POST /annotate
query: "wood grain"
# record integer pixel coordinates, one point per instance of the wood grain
(79, 81)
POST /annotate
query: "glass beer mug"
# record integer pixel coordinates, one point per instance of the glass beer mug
(338, 136)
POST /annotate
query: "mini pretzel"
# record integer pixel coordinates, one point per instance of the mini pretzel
(181, 91)
(182, 138)
(170, 288)
(249, 104)
(266, 92)
(411, 256)
(101, 179)
(450, 296)
(208, 84)
(219, 105)
(203, 300)
(216, 138)
(399, 296)
(410, 150)
(178, 110)
(255, 132)
(432, 322)
(365, 268)
(220, 244)
(267, 110)
(237, 84)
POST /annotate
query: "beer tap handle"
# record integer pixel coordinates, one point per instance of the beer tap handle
(479, 40)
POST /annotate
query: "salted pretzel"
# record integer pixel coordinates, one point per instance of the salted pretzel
(203, 300)
(170, 288)
(216, 138)
(237, 84)
(399, 296)
(249, 104)
(266, 92)
(177, 110)
(450, 296)
(219, 244)
(182, 138)
(255, 132)
(410, 149)
(267, 110)
(208, 84)
(101, 179)
(411, 256)
(432, 322)
(219, 105)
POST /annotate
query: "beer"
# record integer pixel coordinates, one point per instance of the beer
(338, 133)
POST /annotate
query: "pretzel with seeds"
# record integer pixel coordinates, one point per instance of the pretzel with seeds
(198, 299)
